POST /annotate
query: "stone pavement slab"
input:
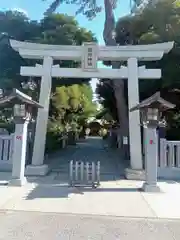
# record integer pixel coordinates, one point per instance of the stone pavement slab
(167, 203)
(108, 200)
(6, 194)
(120, 198)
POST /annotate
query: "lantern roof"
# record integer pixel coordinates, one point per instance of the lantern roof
(18, 95)
(154, 101)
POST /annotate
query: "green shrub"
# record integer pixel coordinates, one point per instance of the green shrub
(53, 137)
(103, 132)
(10, 127)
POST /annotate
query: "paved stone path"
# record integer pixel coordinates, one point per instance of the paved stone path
(91, 149)
(34, 226)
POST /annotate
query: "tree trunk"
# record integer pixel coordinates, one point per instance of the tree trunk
(118, 84)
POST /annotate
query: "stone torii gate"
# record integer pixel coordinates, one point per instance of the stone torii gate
(89, 54)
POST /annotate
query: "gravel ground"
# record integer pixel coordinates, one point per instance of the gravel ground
(19, 225)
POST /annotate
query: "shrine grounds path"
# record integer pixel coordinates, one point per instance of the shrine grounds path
(91, 149)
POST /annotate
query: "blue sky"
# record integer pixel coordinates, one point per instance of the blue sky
(36, 8)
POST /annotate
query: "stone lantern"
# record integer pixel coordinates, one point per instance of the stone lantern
(22, 111)
(151, 111)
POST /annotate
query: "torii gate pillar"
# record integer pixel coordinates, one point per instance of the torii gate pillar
(37, 166)
(134, 117)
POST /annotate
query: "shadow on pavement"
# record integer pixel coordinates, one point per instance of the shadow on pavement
(84, 190)
(45, 191)
(63, 191)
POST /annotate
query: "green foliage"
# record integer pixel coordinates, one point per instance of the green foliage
(104, 115)
(9, 67)
(103, 132)
(55, 133)
(73, 103)
(64, 30)
(106, 97)
(156, 24)
(18, 26)
(71, 100)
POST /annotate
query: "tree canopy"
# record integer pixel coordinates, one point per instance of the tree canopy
(71, 98)
(157, 23)
(90, 8)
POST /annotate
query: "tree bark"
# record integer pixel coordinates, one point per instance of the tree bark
(118, 84)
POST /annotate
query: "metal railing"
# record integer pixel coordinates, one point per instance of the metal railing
(169, 154)
(169, 159)
(6, 148)
(84, 173)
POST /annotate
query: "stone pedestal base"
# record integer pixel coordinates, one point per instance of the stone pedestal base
(150, 188)
(135, 174)
(33, 170)
(17, 182)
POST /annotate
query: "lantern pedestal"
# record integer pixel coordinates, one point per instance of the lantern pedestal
(37, 170)
(151, 159)
(19, 153)
(17, 182)
(132, 174)
(150, 188)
